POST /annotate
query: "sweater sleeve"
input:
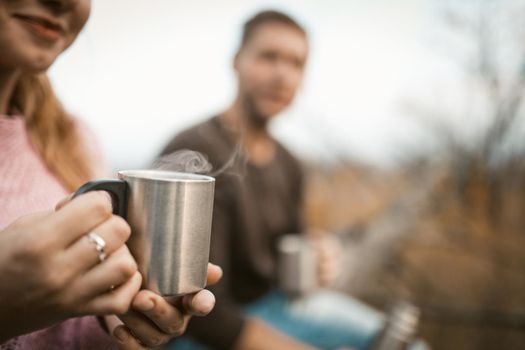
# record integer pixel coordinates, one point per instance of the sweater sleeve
(82, 333)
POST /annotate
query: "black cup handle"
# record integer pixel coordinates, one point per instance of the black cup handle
(118, 190)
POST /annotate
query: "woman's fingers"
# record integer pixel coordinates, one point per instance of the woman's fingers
(165, 316)
(63, 202)
(125, 340)
(146, 331)
(200, 303)
(114, 231)
(115, 271)
(214, 274)
(116, 301)
(154, 321)
(93, 208)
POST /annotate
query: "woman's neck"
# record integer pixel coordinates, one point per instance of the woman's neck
(8, 80)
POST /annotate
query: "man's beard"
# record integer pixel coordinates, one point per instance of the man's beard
(254, 117)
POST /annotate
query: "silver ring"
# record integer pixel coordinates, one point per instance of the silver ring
(100, 245)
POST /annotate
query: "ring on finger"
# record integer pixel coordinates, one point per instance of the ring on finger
(100, 245)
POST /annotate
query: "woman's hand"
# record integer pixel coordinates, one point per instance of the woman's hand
(153, 320)
(50, 270)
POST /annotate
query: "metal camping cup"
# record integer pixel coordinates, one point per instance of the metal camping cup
(170, 215)
(297, 265)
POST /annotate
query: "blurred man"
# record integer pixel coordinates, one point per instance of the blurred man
(258, 200)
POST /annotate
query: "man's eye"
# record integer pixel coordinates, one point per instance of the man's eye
(270, 56)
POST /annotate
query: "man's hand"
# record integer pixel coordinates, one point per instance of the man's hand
(329, 258)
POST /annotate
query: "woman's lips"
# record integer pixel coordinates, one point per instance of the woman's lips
(41, 27)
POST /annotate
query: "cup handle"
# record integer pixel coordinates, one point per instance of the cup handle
(118, 190)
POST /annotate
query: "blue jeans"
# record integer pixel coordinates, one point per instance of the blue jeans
(326, 320)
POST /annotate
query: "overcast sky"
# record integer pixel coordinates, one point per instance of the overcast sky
(143, 70)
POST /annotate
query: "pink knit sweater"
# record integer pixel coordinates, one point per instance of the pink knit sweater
(27, 186)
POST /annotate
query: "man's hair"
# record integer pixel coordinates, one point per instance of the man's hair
(268, 17)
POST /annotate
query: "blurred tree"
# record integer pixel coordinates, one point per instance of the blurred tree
(462, 255)
(447, 230)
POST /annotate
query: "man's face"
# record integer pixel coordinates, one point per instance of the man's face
(270, 69)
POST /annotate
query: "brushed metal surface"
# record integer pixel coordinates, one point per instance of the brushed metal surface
(170, 215)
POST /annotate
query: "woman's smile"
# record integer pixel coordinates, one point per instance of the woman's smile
(44, 28)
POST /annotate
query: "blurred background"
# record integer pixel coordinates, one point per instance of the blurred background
(410, 124)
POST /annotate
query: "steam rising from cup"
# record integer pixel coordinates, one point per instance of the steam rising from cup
(184, 161)
(188, 161)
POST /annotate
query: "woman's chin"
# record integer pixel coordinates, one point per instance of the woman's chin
(40, 64)
(34, 60)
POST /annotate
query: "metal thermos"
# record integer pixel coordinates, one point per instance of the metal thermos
(400, 328)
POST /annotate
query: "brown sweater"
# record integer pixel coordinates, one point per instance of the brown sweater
(253, 207)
